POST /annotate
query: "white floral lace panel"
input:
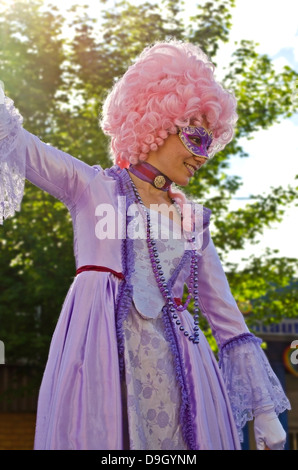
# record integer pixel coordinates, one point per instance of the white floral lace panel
(153, 397)
(146, 294)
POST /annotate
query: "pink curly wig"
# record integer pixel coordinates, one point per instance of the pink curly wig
(170, 84)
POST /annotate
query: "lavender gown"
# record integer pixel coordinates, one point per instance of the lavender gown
(119, 374)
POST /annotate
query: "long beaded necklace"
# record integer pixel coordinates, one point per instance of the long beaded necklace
(161, 281)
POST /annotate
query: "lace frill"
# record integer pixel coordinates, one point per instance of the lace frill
(251, 383)
(12, 160)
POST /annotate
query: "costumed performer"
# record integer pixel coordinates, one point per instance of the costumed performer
(128, 366)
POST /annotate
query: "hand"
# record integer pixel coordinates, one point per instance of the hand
(269, 433)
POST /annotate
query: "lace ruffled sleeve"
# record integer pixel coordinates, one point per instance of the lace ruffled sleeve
(24, 155)
(252, 385)
(12, 160)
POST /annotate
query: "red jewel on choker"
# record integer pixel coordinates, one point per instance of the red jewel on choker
(147, 172)
(172, 305)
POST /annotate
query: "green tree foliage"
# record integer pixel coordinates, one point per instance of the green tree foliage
(58, 81)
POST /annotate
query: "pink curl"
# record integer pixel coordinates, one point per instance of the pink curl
(159, 141)
(153, 147)
(145, 148)
(133, 160)
(149, 139)
(162, 134)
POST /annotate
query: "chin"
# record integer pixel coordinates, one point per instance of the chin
(181, 182)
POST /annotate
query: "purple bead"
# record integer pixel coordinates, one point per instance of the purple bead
(159, 274)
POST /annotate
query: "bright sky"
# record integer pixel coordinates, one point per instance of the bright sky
(273, 153)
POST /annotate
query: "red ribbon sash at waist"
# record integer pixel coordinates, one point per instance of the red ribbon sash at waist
(90, 267)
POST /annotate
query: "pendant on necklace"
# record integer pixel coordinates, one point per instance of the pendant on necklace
(159, 181)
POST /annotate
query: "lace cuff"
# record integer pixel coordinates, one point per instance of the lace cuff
(251, 383)
(12, 160)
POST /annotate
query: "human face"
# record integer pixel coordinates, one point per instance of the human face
(176, 161)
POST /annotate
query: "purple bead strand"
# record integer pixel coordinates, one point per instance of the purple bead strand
(161, 281)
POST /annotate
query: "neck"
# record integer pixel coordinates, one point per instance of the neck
(148, 191)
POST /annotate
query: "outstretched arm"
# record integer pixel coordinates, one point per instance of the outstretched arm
(253, 388)
(23, 155)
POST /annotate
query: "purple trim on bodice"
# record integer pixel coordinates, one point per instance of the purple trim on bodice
(186, 420)
(124, 298)
(185, 257)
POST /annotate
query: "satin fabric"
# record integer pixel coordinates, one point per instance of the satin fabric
(79, 404)
(214, 423)
(216, 300)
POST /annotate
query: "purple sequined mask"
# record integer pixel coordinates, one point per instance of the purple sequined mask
(196, 139)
